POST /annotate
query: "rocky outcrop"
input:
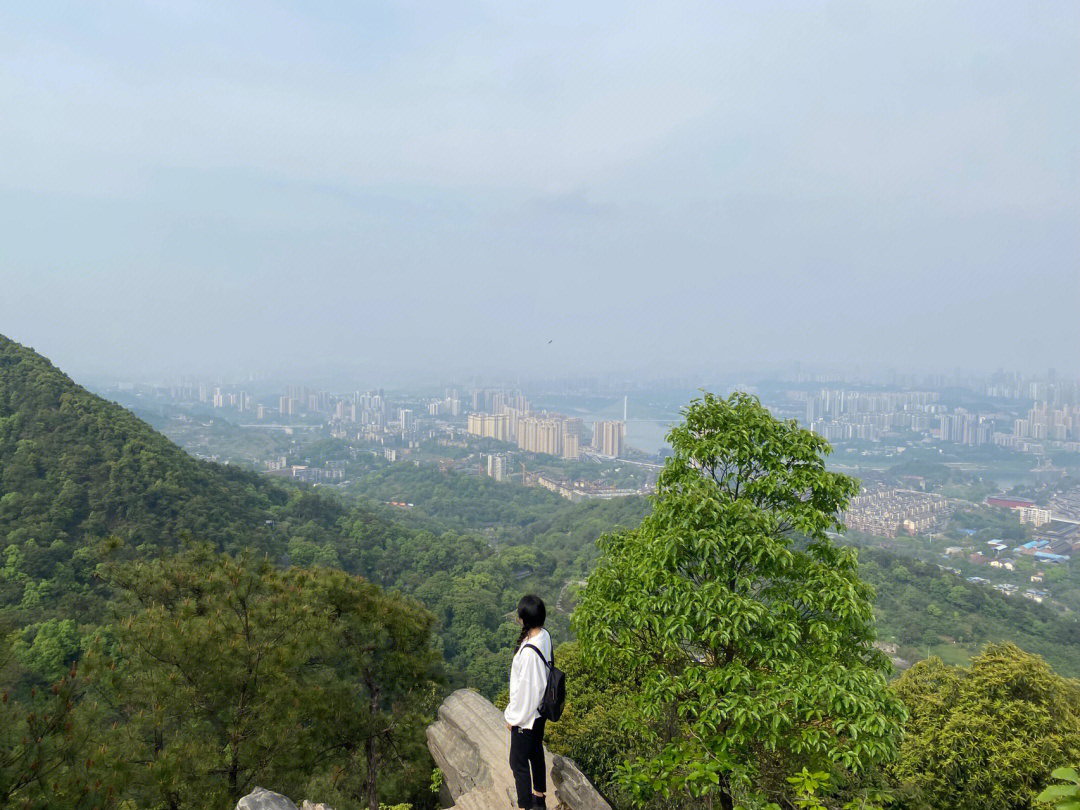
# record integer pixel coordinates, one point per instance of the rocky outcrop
(470, 744)
(263, 799)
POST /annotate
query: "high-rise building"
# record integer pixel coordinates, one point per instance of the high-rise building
(489, 425)
(496, 467)
(514, 417)
(571, 447)
(474, 424)
(609, 437)
(405, 416)
(286, 406)
(572, 426)
(544, 433)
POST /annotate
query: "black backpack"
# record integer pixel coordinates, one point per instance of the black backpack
(551, 704)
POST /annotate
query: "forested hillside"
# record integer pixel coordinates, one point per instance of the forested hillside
(73, 465)
(75, 469)
(924, 608)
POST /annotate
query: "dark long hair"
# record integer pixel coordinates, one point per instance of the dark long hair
(532, 613)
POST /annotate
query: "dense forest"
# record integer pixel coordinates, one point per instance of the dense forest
(173, 631)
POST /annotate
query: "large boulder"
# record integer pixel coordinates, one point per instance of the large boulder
(470, 744)
(263, 799)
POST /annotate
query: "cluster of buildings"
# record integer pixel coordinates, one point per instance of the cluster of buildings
(549, 433)
(887, 512)
(449, 405)
(1024, 508)
(1048, 387)
(1053, 542)
(367, 415)
(369, 407)
(576, 491)
(512, 420)
(305, 473)
(396, 427)
(962, 427)
(1009, 589)
(609, 438)
(837, 415)
(1044, 422)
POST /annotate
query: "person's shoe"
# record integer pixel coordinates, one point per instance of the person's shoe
(539, 802)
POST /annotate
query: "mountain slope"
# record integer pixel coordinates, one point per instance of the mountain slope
(75, 467)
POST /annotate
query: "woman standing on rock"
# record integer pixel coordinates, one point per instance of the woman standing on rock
(528, 680)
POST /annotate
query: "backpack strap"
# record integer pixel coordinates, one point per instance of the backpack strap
(548, 664)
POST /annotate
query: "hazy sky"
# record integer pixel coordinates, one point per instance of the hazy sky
(201, 186)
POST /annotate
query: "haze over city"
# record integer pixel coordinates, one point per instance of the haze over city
(550, 188)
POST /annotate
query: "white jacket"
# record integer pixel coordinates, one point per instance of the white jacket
(528, 680)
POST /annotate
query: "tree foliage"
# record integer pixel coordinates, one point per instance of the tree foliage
(750, 654)
(51, 754)
(1066, 794)
(591, 731)
(225, 673)
(987, 736)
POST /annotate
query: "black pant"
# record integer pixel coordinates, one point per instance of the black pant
(527, 752)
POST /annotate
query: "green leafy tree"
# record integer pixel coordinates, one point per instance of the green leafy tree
(54, 648)
(745, 633)
(987, 736)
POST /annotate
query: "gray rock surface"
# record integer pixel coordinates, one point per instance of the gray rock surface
(470, 744)
(263, 799)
